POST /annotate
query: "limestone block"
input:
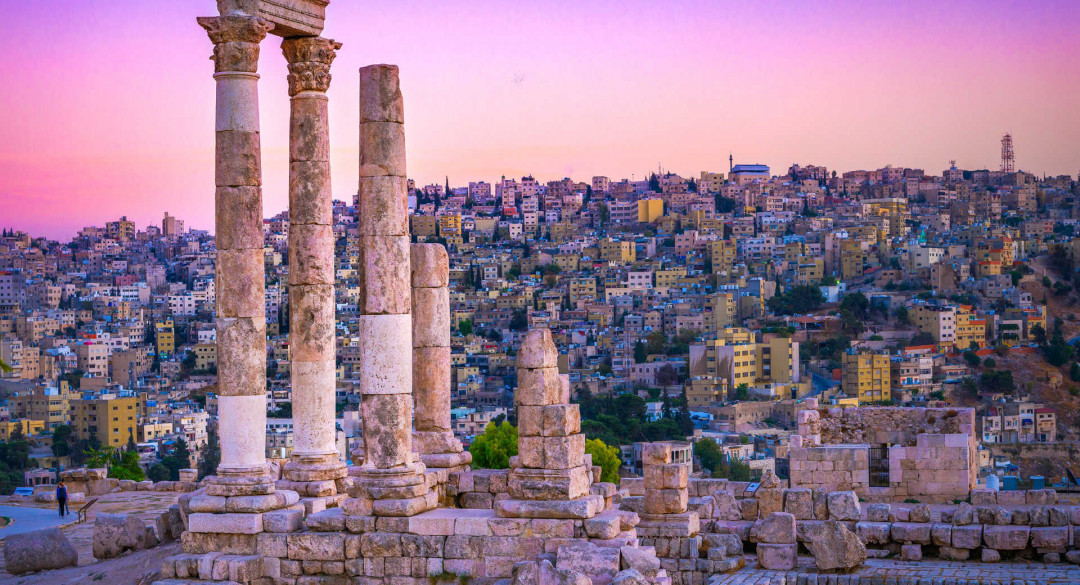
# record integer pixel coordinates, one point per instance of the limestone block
(236, 104)
(912, 532)
(238, 213)
(920, 513)
(281, 521)
(430, 266)
(538, 350)
(530, 421)
(777, 557)
(241, 356)
(564, 452)
(311, 322)
(948, 553)
(911, 552)
(836, 547)
(547, 484)
(382, 207)
(310, 200)
(969, 536)
(877, 512)
(431, 317)
(380, 95)
(38, 550)
(665, 501)
(309, 139)
(983, 497)
(560, 420)
(382, 149)
(873, 532)
(656, 454)
(257, 504)
(383, 271)
(1044, 497)
(776, 528)
(242, 294)
(316, 546)
(748, 509)
(598, 563)
(821, 503)
(225, 523)
(383, 340)
(539, 387)
(941, 534)
(238, 159)
(964, 514)
(990, 555)
(799, 502)
(669, 476)
(580, 508)
(769, 500)
(1050, 537)
(1006, 537)
(311, 255)
(844, 506)
(725, 506)
(1011, 499)
(387, 424)
(641, 560)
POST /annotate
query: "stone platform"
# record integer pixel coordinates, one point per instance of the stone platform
(897, 572)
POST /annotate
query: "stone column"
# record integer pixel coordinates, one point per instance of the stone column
(241, 318)
(314, 463)
(434, 438)
(391, 479)
(549, 478)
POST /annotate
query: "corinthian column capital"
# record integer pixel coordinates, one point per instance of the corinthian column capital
(309, 61)
(236, 41)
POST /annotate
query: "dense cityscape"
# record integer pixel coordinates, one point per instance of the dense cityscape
(684, 308)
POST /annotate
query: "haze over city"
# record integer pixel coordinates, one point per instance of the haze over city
(109, 115)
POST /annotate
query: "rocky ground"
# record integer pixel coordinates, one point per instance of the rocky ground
(130, 569)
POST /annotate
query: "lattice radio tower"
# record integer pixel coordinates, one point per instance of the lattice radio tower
(1008, 160)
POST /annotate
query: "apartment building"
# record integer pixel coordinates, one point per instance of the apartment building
(866, 375)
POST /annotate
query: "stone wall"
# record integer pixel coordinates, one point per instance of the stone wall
(834, 467)
(889, 425)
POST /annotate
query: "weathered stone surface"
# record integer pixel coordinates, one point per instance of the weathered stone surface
(990, 555)
(640, 560)
(538, 350)
(38, 551)
(844, 506)
(874, 532)
(1050, 537)
(776, 528)
(380, 97)
(430, 266)
(877, 512)
(387, 433)
(911, 532)
(777, 557)
(383, 268)
(963, 515)
(115, 534)
(630, 577)
(911, 552)
(920, 513)
(968, 536)
(799, 502)
(431, 317)
(316, 546)
(948, 553)
(836, 547)
(1006, 537)
(598, 563)
(821, 503)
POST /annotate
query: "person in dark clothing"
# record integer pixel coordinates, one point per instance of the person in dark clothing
(61, 498)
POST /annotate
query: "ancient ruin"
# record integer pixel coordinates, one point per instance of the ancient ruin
(411, 511)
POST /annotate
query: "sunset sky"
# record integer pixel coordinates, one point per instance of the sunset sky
(107, 107)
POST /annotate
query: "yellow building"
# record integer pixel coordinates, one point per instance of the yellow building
(50, 406)
(650, 210)
(705, 392)
(722, 255)
(724, 310)
(450, 225)
(670, 277)
(112, 419)
(810, 270)
(619, 252)
(424, 226)
(867, 375)
(970, 329)
(29, 427)
(852, 259)
(166, 338)
(205, 356)
(950, 325)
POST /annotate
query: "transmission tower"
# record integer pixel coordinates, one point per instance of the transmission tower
(1008, 160)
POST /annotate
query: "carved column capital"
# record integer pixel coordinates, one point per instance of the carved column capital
(236, 41)
(309, 61)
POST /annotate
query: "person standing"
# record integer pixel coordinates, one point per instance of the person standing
(61, 498)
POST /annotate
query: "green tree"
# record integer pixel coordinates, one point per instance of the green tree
(211, 455)
(803, 298)
(465, 327)
(607, 457)
(494, 448)
(640, 352)
(857, 303)
(182, 454)
(519, 321)
(61, 441)
(708, 453)
(157, 472)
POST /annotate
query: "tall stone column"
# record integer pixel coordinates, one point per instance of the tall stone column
(241, 318)
(434, 438)
(391, 481)
(314, 463)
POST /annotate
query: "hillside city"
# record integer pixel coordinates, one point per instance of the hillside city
(683, 308)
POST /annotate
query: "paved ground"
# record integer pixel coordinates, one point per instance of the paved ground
(895, 572)
(28, 519)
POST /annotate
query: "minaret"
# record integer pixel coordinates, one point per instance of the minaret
(730, 163)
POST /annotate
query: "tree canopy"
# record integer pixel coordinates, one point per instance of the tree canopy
(494, 448)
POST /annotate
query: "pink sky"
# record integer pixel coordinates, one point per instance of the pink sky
(108, 104)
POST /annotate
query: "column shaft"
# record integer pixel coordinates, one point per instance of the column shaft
(240, 274)
(312, 320)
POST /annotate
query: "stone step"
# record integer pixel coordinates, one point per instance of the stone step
(192, 582)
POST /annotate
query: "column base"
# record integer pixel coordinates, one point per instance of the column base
(549, 484)
(400, 491)
(683, 525)
(240, 482)
(578, 509)
(323, 470)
